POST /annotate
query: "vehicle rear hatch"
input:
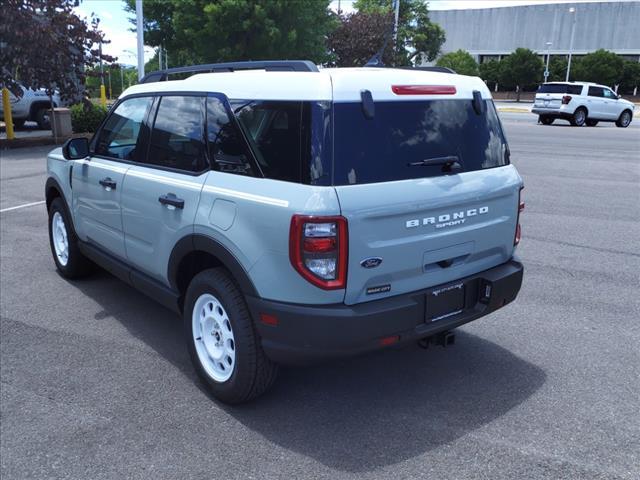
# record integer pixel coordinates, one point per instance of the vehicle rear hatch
(416, 226)
(550, 95)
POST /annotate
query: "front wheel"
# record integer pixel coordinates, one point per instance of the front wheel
(64, 243)
(624, 120)
(223, 343)
(592, 123)
(579, 117)
(44, 119)
(545, 120)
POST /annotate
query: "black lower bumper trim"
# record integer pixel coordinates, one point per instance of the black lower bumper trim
(306, 334)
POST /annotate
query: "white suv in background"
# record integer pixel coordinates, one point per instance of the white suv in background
(580, 103)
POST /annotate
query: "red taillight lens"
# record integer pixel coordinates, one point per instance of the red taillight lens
(318, 250)
(566, 99)
(423, 89)
(516, 240)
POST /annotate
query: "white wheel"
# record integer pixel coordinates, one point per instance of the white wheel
(213, 337)
(60, 238)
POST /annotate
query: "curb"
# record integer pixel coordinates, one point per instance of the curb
(513, 110)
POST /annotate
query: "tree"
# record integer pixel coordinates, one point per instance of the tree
(358, 37)
(558, 68)
(630, 76)
(461, 61)
(417, 37)
(46, 45)
(522, 69)
(600, 66)
(490, 72)
(202, 31)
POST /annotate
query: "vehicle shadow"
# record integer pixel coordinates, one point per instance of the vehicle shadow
(359, 414)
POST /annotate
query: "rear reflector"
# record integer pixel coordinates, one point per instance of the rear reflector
(389, 340)
(423, 89)
(270, 320)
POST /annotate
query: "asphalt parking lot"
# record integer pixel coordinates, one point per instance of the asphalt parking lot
(96, 381)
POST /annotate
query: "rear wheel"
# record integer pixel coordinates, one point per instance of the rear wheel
(592, 123)
(579, 117)
(624, 120)
(223, 343)
(545, 120)
(44, 119)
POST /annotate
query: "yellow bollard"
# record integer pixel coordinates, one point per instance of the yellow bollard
(8, 119)
(103, 96)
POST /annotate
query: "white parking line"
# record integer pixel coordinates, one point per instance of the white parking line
(32, 204)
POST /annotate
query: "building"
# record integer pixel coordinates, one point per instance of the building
(492, 33)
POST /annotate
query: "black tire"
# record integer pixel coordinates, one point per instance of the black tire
(77, 265)
(591, 123)
(43, 119)
(579, 117)
(625, 119)
(253, 373)
(543, 119)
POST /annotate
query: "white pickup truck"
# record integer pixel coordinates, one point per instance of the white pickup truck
(30, 105)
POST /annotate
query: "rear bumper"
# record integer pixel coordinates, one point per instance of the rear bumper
(307, 334)
(552, 112)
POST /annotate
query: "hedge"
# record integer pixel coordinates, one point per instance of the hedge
(86, 117)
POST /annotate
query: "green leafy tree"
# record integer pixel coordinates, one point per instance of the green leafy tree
(46, 45)
(461, 61)
(558, 68)
(600, 66)
(630, 76)
(521, 70)
(490, 72)
(418, 38)
(358, 37)
(199, 31)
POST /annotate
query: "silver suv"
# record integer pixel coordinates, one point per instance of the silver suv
(292, 215)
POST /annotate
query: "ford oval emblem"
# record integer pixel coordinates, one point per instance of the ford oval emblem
(371, 262)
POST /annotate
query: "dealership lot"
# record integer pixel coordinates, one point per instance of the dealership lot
(96, 381)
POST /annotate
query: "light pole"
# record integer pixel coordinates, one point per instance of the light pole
(140, 33)
(572, 10)
(546, 70)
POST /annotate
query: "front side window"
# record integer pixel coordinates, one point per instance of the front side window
(596, 92)
(609, 94)
(177, 140)
(121, 137)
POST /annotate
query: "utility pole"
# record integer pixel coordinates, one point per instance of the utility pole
(546, 70)
(121, 79)
(572, 10)
(395, 24)
(140, 33)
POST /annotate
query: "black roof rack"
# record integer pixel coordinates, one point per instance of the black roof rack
(268, 65)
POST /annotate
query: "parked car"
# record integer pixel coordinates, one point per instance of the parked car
(294, 216)
(30, 105)
(581, 103)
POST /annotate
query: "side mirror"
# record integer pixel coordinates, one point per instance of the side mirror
(75, 148)
(619, 96)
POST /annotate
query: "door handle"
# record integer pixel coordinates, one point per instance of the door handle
(171, 200)
(108, 184)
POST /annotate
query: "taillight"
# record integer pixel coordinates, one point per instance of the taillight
(566, 99)
(516, 240)
(318, 250)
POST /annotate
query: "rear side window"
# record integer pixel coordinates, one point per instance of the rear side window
(560, 88)
(121, 137)
(596, 92)
(381, 149)
(177, 140)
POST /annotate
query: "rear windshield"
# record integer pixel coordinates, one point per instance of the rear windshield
(560, 88)
(382, 149)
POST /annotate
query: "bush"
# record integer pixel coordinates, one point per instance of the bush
(461, 61)
(86, 117)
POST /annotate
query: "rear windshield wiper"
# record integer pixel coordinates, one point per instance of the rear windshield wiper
(449, 164)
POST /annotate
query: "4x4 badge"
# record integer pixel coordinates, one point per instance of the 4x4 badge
(371, 262)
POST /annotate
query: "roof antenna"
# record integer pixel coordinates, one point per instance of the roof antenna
(376, 60)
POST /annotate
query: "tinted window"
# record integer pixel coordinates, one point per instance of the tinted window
(291, 140)
(227, 148)
(120, 136)
(560, 88)
(381, 149)
(596, 92)
(610, 94)
(177, 139)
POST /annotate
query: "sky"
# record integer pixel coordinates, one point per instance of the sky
(114, 20)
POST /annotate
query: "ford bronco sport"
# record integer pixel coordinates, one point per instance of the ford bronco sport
(291, 214)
